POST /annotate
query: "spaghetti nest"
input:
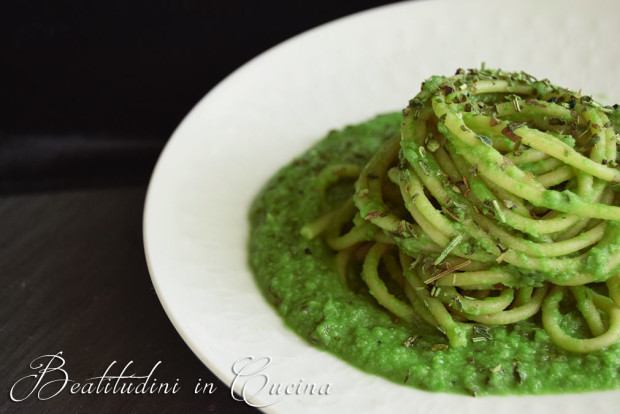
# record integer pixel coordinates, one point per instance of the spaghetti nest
(498, 200)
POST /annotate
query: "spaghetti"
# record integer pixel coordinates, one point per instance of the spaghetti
(496, 202)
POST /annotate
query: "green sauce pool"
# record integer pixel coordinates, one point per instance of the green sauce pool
(298, 277)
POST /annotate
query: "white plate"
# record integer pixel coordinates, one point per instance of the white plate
(277, 105)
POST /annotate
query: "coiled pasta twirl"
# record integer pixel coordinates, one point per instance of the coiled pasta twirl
(497, 200)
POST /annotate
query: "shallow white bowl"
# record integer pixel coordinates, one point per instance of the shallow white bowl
(277, 105)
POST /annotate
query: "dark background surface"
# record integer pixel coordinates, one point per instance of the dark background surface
(89, 94)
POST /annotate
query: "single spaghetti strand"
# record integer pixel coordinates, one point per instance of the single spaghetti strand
(551, 321)
(377, 286)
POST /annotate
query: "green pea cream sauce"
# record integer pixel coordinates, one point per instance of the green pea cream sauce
(299, 278)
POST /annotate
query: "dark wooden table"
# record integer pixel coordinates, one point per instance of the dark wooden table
(74, 280)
